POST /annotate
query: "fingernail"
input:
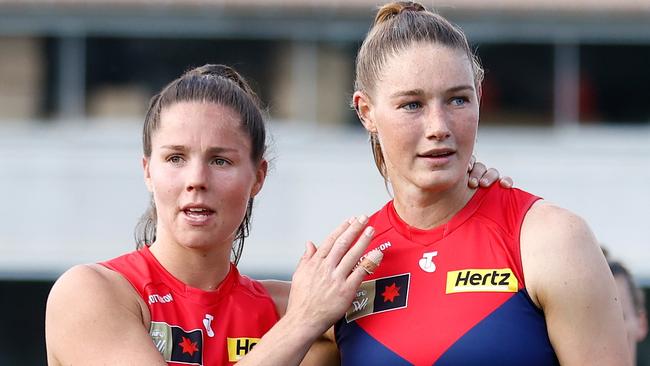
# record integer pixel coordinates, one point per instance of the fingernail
(473, 181)
(363, 219)
(369, 231)
(351, 220)
(484, 181)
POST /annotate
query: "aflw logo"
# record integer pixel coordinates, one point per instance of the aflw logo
(482, 280)
(360, 304)
(154, 298)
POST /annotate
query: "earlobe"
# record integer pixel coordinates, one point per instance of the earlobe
(363, 107)
(147, 175)
(260, 177)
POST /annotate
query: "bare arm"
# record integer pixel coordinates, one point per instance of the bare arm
(322, 289)
(93, 318)
(567, 276)
(323, 351)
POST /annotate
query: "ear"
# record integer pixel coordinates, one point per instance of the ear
(364, 108)
(147, 175)
(479, 93)
(260, 176)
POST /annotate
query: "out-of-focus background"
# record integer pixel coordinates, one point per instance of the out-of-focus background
(565, 112)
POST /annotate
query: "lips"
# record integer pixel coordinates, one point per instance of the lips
(437, 153)
(197, 214)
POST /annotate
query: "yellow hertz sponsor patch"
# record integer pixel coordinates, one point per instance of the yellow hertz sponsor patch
(482, 280)
(239, 347)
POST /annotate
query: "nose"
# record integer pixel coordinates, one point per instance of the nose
(197, 177)
(437, 124)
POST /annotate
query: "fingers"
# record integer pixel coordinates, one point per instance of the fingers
(472, 160)
(490, 176)
(476, 173)
(310, 250)
(506, 182)
(352, 256)
(344, 241)
(373, 259)
(324, 250)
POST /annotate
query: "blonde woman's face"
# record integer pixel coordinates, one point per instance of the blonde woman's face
(425, 111)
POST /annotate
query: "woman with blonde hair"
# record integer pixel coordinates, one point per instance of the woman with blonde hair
(486, 276)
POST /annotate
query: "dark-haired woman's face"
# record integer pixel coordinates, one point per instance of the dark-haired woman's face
(425, 112)
(201, 174)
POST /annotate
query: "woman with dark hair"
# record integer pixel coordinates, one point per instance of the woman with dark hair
(204, 143)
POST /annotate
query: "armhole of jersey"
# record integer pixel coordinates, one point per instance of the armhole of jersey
(139, 293)
(520, 223)
(259, 287)
(136, 288)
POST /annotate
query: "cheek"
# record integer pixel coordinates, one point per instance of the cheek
(164, 183)
(398, 137)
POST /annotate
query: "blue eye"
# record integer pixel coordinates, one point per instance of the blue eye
(411, 106)
(459, 101)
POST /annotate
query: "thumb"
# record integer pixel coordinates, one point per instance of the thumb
(310, 249)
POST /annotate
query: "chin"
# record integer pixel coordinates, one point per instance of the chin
(440, 181)
(197, 240)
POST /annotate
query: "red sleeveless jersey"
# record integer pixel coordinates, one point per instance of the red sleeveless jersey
(452, 295)
(190, 326)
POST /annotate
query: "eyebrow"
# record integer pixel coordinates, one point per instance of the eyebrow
(211, 150)
(417, 92)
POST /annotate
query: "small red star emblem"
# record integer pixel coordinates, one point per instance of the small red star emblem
(390, 292)
(188, 346)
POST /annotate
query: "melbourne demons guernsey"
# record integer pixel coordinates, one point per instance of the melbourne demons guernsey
(190, 326)
(452, 295)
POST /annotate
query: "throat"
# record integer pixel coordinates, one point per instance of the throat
(427, 211)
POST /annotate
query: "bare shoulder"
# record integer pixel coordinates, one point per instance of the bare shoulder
(568, 278)
(279, 292)
(95, 286)
(96, 307)
(556, 245)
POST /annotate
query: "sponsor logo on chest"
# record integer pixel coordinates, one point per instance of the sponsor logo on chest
(481, 280)
(426, 262)
(239, 347)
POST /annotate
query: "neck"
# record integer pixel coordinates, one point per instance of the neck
(425, 209)
(196, 267)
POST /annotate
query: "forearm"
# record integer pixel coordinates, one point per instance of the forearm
(284, 344)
